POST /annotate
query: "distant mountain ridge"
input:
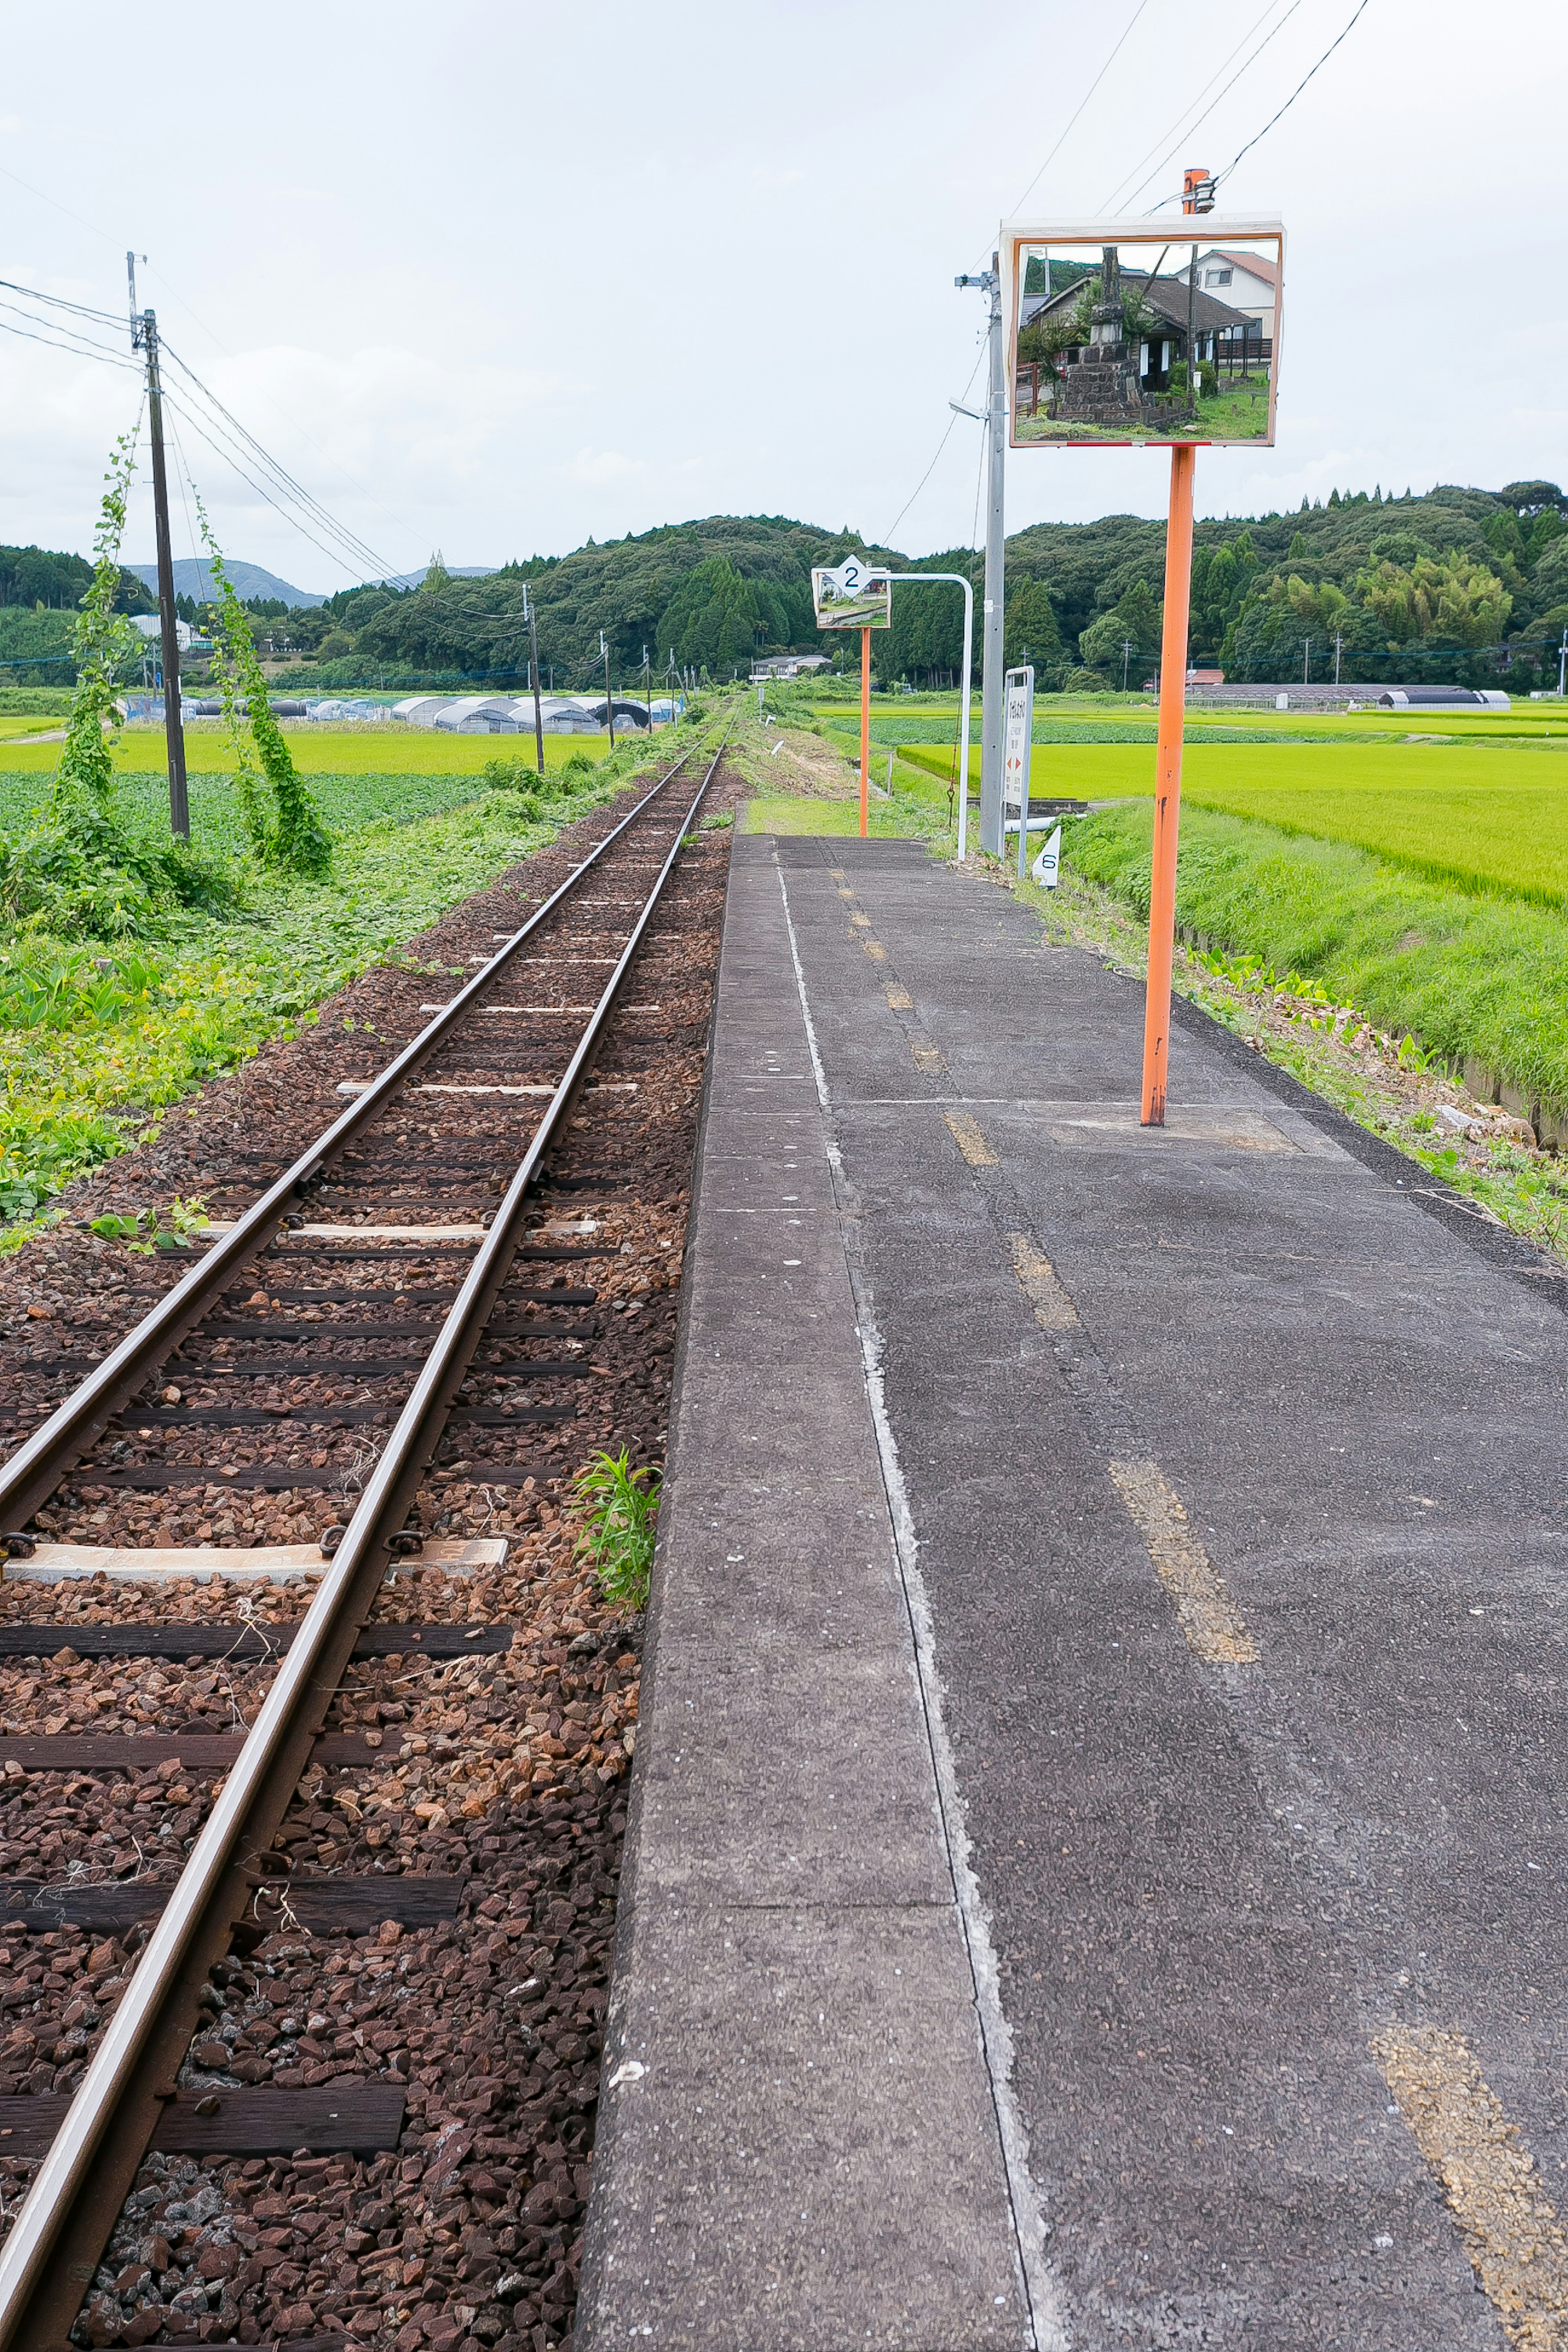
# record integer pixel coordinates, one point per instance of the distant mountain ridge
(193, 578)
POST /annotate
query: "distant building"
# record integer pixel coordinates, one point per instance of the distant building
(477, 714)
(559, 714)
(787, 666)
(148, 625)
(1441, 698)
(1244, 280)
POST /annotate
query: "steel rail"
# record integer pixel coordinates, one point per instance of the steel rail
(49, 2260)
(36, 1467)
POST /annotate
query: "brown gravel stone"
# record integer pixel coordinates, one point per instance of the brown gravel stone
(506, 1771)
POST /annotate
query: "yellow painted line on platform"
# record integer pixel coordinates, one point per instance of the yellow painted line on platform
(1511, 2228)
(875, 949)
(1038, 1279)
(928, 1059)
(970, 1141)
(898, 998)
(859, 922)
(1205, 1610)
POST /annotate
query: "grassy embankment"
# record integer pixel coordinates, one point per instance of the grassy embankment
(1424, 884)
(99, 1038)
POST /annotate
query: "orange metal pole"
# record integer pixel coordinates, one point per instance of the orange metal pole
(1168, 784)
(865, 728)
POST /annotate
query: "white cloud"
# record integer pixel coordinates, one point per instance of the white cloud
(499, 323)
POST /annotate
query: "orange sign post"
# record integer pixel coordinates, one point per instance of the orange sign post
(1168, 783)
(865, 727)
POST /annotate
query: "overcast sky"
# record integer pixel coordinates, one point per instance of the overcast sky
(494, 278)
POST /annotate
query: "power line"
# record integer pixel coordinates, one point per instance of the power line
(361, 486)
(199, 425)
(351, 552)
(362, 553)
(58, 302)
(1187, 129)
(73, 350)
(1291, 101)
(1083, 102)
(93, 230)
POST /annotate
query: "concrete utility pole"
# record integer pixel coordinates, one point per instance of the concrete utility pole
(1339, 648)
(609, 714)
(1562, 660)
(992, 696)
(145, 337)
(533, 677)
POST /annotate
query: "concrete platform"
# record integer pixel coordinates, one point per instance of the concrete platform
(1095, 1874)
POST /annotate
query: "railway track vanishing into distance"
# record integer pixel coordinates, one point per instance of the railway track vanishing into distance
(264, 1354)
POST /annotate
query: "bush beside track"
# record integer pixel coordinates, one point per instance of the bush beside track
(100, 1036)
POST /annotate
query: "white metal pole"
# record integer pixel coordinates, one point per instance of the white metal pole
(992, 693)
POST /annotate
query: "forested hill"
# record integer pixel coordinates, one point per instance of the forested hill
(711, 593)
(1431, 587)
(1463, 585)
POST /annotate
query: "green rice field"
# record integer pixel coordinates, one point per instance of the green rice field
(1490, 817)
(317, 750)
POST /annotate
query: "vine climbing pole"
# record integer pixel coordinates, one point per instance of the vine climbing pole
(1168, 784)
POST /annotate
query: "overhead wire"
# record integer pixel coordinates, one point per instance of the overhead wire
(216, 425)
(1083, 102)
(362, 553)
(1129, 188)
(1291, 101)
(94, 230)
(199, 425)
(362, 487)
(73, 350)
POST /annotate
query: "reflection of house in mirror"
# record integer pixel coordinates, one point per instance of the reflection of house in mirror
(1099, 351)
(1246, 280)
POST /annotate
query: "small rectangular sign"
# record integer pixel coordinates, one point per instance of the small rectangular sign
(1018, 727)
(851, 595)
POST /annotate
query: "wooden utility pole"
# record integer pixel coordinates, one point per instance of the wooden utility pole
(534, 675)
(145, 337)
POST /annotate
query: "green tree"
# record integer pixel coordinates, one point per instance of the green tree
(1031, 633)
(1126, 639)
(1459, 601)
(1221, 578)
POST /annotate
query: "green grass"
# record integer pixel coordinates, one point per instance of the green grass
(366, 750)
(1468, 975)
(349, 804)
(1489, 819)
(99, 1043)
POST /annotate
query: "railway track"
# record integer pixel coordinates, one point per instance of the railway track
(324, 1353)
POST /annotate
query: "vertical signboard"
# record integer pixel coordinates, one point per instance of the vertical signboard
(1018, 744)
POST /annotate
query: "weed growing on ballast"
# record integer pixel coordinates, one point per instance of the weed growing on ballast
(616, 1534)
(146, 1230)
